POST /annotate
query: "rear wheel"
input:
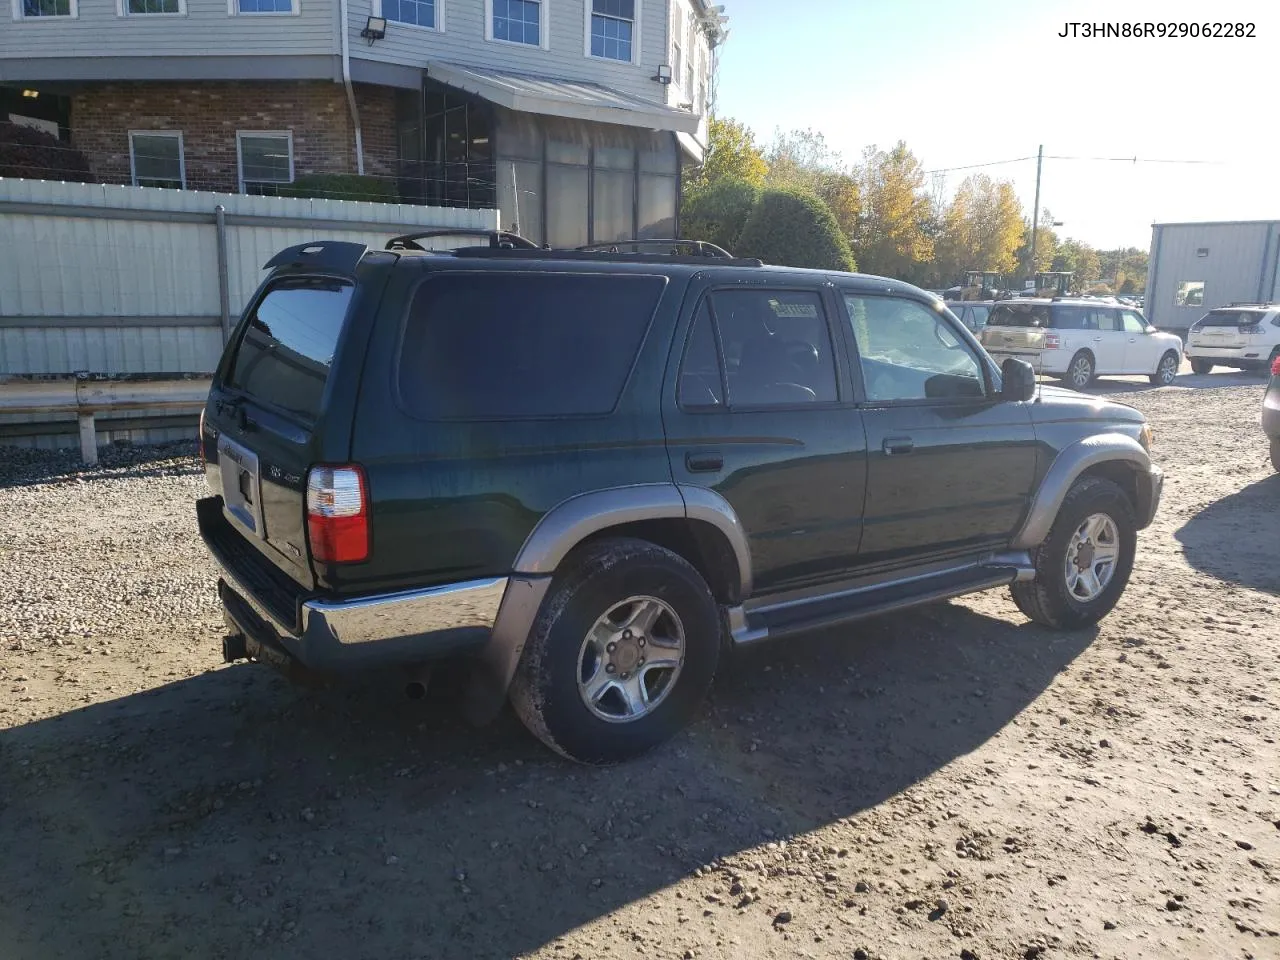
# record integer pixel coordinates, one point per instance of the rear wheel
(1167, 370)
(1201, 366)
(621, 655)
(1080, 371)
(1082, 567)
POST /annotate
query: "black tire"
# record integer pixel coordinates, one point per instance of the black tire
(1201, 366)
(545, 691)
(1081, 371)
(1275, 453)
(1046, 599)
(1166, 369)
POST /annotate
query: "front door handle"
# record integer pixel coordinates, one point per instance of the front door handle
(1097, 339)
(703, 461)
(897, 446)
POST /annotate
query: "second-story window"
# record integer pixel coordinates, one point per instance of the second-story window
(517, 21)
(47, 8)
(143, 7)
(266, 6)
(677, 43)
(419, 13)
(612, 25)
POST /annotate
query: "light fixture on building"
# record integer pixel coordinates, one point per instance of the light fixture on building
(663, 75)
(31, 93)
(375, 28)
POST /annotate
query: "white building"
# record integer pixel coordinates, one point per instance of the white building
(1195, 267)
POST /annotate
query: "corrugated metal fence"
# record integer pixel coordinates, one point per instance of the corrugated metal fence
(113, 281)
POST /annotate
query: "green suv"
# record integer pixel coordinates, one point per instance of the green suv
(591, 473)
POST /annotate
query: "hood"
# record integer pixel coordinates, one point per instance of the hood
(1059, 403)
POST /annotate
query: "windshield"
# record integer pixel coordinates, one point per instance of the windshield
(1019, 315)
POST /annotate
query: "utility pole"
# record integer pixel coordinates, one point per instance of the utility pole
(1035, 213)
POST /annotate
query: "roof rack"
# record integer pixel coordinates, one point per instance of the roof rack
(601, 256)
(700, 248)
(498, 239)
(1247, 303)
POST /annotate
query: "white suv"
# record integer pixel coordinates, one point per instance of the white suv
(1078, 340)
(1244, 336)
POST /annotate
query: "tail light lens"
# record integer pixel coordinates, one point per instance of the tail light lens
(1275, 367)
(1052, 341)
(338, 514)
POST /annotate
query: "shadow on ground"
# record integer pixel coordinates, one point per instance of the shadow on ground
(1225, 539)
(229, 814)
(20, 465)
(1187, 381)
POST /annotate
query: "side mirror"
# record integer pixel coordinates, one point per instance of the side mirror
(1019, 380)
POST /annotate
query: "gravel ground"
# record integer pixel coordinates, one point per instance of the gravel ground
(949, 782)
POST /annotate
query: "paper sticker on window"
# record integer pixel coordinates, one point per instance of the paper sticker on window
(793, 309)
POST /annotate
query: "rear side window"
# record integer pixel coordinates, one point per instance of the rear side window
(495, 345)
(285, 353)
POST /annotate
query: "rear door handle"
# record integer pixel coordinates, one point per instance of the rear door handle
(703, 461)
(897, 446)
(1097, 339)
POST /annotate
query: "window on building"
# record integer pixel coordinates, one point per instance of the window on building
(266, 161)
(48, 8)
(677, 43)
(612, 25)
(1190, 293)
(266, 6)
(156, 159)
(517, 21)
(418, 13)
(136, 8)
(690, 55)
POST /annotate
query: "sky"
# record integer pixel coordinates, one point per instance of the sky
(973, 81)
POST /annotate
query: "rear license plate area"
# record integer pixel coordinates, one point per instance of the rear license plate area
(242, 497)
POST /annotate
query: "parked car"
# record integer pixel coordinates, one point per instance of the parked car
(1244, 336)
(590, 473)
(972, 313)
(1078, 340)
(1271, 413)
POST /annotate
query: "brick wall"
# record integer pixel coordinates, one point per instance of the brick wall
(209, 114)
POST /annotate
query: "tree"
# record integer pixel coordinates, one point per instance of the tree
(802, 160)
(732, 154)
(1126, 267)
(1081, 259)
(1046, 248)
(795, 229)
(718, 212)
(893, 236)
(981, 229)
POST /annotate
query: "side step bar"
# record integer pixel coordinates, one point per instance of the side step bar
(849, 602)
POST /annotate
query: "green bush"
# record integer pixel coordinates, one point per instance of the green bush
(717, 213)
(795, 229)
(342, 186)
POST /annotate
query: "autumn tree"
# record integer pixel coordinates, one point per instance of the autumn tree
(981, 229)
(1078, 258)
(803, 160)
(1046, 248)
(732, 154)
(894, 234)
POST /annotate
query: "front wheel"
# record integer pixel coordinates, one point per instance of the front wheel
(1082, 567)
(1080, 371)
(1201, 366)
(1167, 370)
(621, 654)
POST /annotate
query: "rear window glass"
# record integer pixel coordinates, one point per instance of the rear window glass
(496, 345)
(1230, 318)
(1019, 315)
(287, 347)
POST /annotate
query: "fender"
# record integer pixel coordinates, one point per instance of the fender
(1066, 468)
(561, 529)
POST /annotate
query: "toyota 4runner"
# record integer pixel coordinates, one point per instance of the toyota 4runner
(589, 473)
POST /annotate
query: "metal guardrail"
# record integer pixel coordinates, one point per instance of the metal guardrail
(86, 396)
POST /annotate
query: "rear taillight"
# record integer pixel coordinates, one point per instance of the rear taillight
(338, 514)
(1275, 367)
(1052, 341)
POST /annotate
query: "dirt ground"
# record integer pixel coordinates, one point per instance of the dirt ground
(950, 782)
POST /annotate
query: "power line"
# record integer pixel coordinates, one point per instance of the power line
(1133, 160)
(975, 166)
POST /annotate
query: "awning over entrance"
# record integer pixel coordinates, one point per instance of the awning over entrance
(576, 99)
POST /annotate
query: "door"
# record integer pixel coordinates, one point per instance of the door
(1109, 340)
(761, 411)
(950, 465)
(1141, 353)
